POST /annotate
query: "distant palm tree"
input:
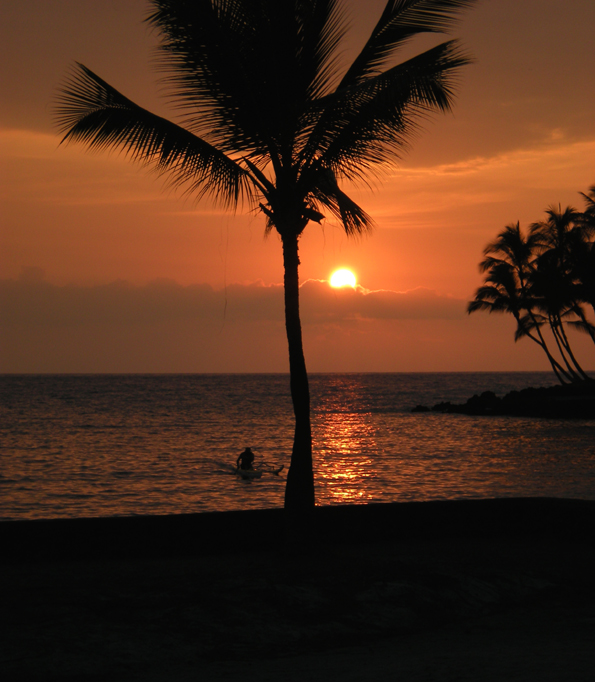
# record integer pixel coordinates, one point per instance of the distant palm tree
(508, 263)
(544, 278)
(584, 252)
(589, 213)
(561, 241)
(268, 117)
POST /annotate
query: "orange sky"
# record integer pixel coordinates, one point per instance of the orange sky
(201, 287)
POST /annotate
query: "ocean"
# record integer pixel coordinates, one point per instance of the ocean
(120, 445)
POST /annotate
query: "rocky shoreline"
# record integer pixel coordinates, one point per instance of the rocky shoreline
(575, 401)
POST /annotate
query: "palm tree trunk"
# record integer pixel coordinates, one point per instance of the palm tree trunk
(554, 324)
(558, 369)
(566, 343)
(299, 491)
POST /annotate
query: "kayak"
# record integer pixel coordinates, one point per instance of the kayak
(250, 474)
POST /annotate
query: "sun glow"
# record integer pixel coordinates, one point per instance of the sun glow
(342, 278)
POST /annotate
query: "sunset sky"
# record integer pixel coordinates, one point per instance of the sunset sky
(104, 270)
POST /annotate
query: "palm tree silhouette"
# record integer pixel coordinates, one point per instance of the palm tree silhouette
(589, 212)
(268, 117)
(544, 278)
(584, 251)
(561, 241)
(508, 288)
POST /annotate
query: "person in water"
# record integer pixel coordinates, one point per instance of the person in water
(246, 459)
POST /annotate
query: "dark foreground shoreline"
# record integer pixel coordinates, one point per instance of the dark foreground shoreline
(194, 535)
(436, 591)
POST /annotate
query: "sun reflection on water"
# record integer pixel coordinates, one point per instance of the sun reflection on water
(340, 442)
(104, 445)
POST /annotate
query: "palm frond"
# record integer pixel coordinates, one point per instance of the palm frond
(371, 124)
(211, 62)
(91, 111)
(497, 305)
(589, 198)
(244, 72)
(526, 324)
(321, 27)
(492, 298)
(552, 233)
(401, 21)
(513, 244)
(490, 262)
(481, 304)
(326, 192)
(583, 326)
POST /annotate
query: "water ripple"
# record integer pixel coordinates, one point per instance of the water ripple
(111, 445)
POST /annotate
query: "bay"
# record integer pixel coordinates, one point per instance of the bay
(106, 445)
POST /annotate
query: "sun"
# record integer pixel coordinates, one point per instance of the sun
(342, 278)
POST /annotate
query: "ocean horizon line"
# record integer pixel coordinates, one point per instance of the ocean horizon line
(310, 373)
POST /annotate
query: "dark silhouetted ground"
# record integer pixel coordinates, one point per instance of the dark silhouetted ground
(507, 606)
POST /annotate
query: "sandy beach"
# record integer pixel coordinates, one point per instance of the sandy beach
(388, 592)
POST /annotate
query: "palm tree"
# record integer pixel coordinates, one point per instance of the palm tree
(544, 278)
(561, 242)
(584, 251)
(508, 263)
(589, 212)
(268, 117)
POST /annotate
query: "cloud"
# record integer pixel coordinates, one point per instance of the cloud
(466, 193)
(321, 304)
(32, 301)
(555, 151)
(167, 327)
